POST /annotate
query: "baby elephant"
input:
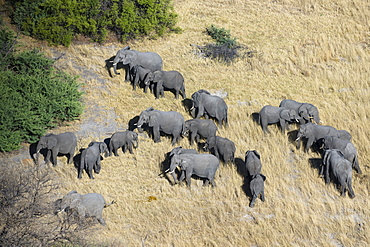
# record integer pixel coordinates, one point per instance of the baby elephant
(90, 158)
(257, 188)
(272, 114)
(198, 128)
(89, 205)
(222, 148)
(126, 140)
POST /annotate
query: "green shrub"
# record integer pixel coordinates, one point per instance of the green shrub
(59, 21)
(221, 36)
(34, 97)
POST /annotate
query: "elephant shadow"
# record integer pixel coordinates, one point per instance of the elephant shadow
(33, 150)
(188, 105)
(77, 159)
(242, 171)
(316, 163)
(200, 146)
(109, 65)
(256, 117)
(107, 141)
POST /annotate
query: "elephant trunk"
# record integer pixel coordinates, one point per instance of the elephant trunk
(135, 143)
(115, 68)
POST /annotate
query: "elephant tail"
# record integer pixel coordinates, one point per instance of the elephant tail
(108, 204)
(357, 165)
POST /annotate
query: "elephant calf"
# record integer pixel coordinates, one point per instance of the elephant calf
(141, 76)
(90, 158)
(257, 186)
(222, 148)
(333, 161)
(88, 205)
(272, 114)
(126, 140)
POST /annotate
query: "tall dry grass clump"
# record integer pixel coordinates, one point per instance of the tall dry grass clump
(309, 51)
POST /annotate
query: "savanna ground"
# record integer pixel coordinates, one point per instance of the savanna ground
(309, 51)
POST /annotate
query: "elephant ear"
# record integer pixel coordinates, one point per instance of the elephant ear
(184, 164)
(102, 147)
(150, 109)
(126, 48)
(153, 121)
(51, 142)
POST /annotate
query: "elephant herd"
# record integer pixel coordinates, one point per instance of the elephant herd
(338, 153)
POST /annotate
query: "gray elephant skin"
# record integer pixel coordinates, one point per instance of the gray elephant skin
(148, 60)
(253, 162)
(88, 205)
(199, 128)
(334, 162)
(178, 151)
(91, 160)
(306, 111)
(272, 114)
(257, 186)
(201, 165)
(346, 147)
(141, 76)
(222, 148)
(314, 132)
(169, 122)
(126, 140)
(64, 143)
(209, 105)
(170, 80)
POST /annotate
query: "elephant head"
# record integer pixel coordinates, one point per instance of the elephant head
(126, 56)
(133, 136)
(289, 115)
(175, 162)
(48, 141)
(210, 143)
(308, 111)
(68, 202)
(252, 151)
(147, 117)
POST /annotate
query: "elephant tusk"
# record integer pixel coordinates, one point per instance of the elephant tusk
(135, 123)
(192, 108)
(114, 64)
(139, 126)
(167, 170)
(297, 139)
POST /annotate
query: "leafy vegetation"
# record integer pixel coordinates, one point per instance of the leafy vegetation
(34, 95)
(59, 21)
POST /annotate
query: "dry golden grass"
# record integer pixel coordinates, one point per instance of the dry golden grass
(310, 51)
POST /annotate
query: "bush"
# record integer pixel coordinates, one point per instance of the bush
(27, 196)
(221, 36)
(59, 21)
(34, 97)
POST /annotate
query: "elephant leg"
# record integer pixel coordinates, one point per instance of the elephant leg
(54, 158)
(177, 94)
(350, 189)
(70, 158)
(174, 176)
(101, 221)
(182, 176)
(124, 148)
(263, 196)
(188, 178)
(192, 137)
(156, 134)
(115, 151)
(253, 201)
(206, 182)
(130, 148)
(309, 144)
(80, 171)
(47, 160)
(90, 171)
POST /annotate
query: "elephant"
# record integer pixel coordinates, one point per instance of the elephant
(346, 147)
(306, 111)
(148, 60)
(88, 205)
(171, 80)
(201, 165)
(169, 122)
(272, 114)
(253, 162)
(178, 151)
(257, 187)
(126, 140)
(141, 76)
(209, 105)
(198, 128)
(221, 147)
(334, 161)
(90, 158)
(314, 132)
(64, 143)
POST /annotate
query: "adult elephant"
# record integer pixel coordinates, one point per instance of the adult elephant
(64, 143)
(148, 60)
(209, 105)
(346, 147)
(178, 151)
(201, 165)
(314, 132)
(88, 205)
(126, 140)
(334, 161)
(272, 114)
(170, 80)
(253, 162)
(199, 128)
(306, 111)
(90, 158)
(169, 122)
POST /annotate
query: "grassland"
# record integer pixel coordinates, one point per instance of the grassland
(309, 51)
